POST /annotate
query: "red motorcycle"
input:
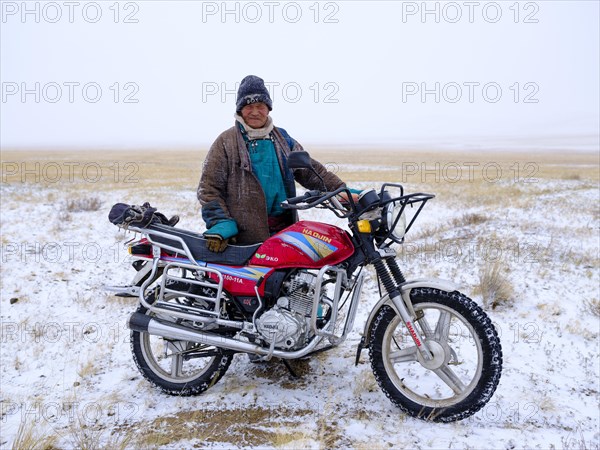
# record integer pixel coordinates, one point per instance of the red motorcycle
(433, 351)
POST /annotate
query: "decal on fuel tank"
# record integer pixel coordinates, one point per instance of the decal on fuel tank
(315, 247)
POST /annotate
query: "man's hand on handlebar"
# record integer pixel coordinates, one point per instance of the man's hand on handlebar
(343, 198)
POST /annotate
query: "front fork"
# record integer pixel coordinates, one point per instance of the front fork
(391, 276)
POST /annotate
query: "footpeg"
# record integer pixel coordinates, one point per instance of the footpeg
(124, 291)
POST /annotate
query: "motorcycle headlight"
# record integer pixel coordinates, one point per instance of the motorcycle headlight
(390, 217)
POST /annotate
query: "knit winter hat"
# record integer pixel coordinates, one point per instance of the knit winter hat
(252, 90)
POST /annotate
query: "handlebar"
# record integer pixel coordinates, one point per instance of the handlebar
(315, 198)
(390, 208)
(302, 198)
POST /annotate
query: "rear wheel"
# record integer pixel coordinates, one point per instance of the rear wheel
(467, 357)
(177, 367)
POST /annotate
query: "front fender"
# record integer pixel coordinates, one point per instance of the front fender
(405, 288)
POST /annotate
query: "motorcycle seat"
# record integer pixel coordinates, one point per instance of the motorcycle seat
(234, 255)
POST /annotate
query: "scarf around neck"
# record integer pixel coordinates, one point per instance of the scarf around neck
(256, 133)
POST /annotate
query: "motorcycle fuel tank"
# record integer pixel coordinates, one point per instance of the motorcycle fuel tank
(306, 244)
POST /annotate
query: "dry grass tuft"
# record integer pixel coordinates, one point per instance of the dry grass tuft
(365, 382)
(575, 440)
(122, 440)
(29, 438)
(87, 370)
(84, 437)
(469, 219)
(592, 306)
(294, 439)
(494, 287)
(328, 431)
(83, 204)
(89, 437)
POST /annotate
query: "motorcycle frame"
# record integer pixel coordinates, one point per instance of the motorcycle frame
(398, 292)
(170, 330)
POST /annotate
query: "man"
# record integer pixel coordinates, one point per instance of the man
(245, 176)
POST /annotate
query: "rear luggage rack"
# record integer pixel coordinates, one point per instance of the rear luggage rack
(213, 304)
(195, 313)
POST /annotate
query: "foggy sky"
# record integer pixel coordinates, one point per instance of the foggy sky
(156, 74)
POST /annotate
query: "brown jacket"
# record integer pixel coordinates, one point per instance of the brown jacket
(229, 189)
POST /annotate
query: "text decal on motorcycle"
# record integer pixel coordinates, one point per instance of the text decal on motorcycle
(411, 330)
(246, 273)
(319, 236)
(315, 247)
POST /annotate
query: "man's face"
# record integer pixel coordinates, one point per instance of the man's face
(255, 115)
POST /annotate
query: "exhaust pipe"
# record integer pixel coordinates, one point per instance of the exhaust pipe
(157, 327)
(139, 322)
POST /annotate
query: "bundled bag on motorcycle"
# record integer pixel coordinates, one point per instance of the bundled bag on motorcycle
(124, 215)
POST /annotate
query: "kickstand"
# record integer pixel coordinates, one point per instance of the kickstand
(290, 369)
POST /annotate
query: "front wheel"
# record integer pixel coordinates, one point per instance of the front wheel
(467, 357)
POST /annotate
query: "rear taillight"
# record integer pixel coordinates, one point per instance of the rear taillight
(140, 249)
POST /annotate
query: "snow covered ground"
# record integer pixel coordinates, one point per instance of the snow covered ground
(67, 374)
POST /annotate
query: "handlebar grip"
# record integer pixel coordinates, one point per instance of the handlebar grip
(302, 198)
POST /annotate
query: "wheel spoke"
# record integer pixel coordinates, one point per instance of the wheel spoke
(176, 365)
(442, 329)
(177, 348)
(404, 355)
(427, 331)
(448, 376)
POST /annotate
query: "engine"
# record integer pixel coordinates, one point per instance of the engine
(288, 322)
(300, 293)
